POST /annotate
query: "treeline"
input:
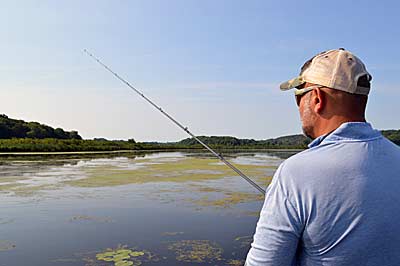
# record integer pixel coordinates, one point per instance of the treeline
(13, 128)
(393, 135)
(21, 136)
(286, 142)
(216, 142)
(62, 145)
(77, 145)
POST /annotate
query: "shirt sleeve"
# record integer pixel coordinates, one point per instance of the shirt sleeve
(278, 229)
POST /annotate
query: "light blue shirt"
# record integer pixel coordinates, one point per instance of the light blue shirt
(337, 203)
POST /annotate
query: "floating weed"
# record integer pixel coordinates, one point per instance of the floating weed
(6, 221)
(162, 172)
(184, 170)
(90, 218)
(196, 251)
(229, 199)
(251, 213)
(244, 241)
(64, 260)
(235, 262)
(172, 233)
(6, 245)
(202, 188)
(263, 180)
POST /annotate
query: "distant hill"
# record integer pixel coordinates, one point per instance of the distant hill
(13, 128)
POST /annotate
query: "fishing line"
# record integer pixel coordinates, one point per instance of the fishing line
(219, 156)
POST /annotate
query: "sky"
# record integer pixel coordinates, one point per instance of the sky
(215, 66)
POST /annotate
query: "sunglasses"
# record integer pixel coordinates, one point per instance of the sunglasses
(300, 92)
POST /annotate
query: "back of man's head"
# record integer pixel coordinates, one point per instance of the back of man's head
(337, 84)
(337, 69)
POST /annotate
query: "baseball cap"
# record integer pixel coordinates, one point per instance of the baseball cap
(337, 69)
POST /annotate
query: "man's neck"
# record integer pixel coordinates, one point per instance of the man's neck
(327, 126)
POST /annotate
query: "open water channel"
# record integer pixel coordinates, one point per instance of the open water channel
(170, 208)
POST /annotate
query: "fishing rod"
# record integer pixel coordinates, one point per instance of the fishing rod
(219, 156)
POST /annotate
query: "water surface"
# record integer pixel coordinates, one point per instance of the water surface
(151, 209)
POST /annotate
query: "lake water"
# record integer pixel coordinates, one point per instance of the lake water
(170, 208)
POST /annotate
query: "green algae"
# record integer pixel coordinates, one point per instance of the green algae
(203, 188)
(161, 172)
(10, 180)
(200, 251)
(29, 191)
(178, 170)
(6, 188)
(183, 170)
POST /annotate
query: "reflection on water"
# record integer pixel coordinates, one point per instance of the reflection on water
(130, 209)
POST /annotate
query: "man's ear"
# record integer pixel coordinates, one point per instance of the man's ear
(319, 100)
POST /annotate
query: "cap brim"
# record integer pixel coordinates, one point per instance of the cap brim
(293, 83)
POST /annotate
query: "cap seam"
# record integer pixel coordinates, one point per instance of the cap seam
(335, 69)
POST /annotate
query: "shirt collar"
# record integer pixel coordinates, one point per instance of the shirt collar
(350, 131)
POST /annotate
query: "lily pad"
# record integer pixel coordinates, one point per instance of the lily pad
(124, 256)
(136, 253)
(124, 263)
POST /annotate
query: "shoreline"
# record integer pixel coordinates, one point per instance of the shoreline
(139, 151)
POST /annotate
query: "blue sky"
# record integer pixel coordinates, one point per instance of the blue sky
(214, 65)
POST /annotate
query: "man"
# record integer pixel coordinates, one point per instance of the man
(337, 203)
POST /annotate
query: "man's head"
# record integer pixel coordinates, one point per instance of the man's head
(332, 89)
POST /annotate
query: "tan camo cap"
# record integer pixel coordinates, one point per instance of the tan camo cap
(337, 69)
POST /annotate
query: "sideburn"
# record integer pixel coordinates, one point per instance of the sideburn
(308, 117)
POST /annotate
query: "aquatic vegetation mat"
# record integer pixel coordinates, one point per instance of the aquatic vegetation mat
(196, 251)
(6, 221)
(235, 262)
(34, 177)
(228, 199)
(90, 218)
(244, 241)
(172, 233)
(6, 245)
(183, 170)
